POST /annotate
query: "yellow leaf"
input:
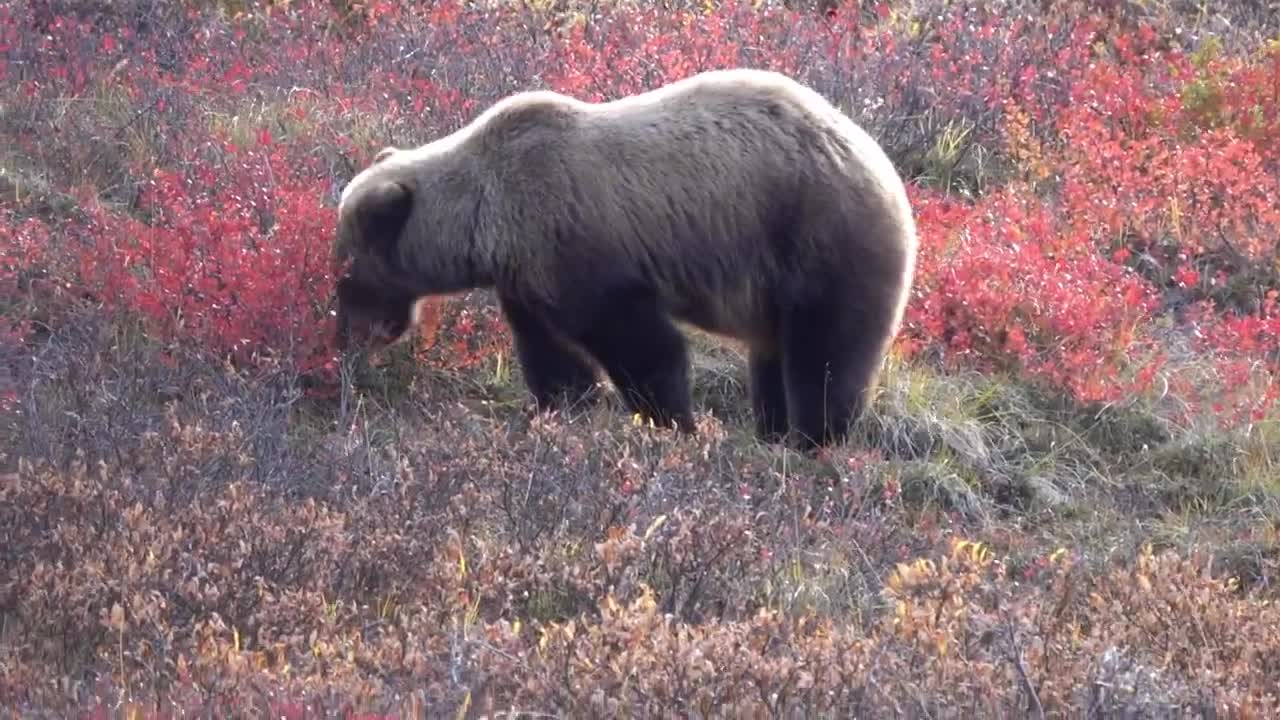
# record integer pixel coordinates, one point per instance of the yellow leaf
(466, 705)
(653, 526)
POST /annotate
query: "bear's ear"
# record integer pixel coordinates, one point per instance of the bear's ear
(381, 215)
(383, 154)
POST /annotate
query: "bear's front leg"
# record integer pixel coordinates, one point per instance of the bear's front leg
(768, 394)
(644, 354)
(556, 374)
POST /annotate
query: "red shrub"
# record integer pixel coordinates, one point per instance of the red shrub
(24, 243)
(1179, 188)
(1131, 174)
(1008, 281)
(234, 258)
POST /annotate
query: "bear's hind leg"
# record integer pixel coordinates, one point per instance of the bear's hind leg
(556, 374)
(768, 394)
(832, 356)
(645, 355)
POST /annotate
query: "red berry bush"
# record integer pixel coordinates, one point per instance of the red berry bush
(235, 262)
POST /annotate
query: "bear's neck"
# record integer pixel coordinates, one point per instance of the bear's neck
(441, 275)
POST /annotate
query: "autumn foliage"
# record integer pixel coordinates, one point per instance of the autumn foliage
(1097, 190)
(1131, 176)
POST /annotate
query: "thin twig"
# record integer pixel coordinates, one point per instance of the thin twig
(1015, 657)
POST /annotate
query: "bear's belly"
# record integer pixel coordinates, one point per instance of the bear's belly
(737, 315)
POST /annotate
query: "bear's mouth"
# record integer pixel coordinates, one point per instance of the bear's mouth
(368, 319)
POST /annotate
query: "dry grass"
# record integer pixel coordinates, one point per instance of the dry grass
(434, 547)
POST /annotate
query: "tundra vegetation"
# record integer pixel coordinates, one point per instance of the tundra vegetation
(1062, 503)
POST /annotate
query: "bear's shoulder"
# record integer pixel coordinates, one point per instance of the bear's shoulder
(527, 112)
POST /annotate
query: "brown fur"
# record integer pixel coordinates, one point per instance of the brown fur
(737, 201)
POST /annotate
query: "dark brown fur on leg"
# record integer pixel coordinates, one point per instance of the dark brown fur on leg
(646, 357)
(832, 356)
(768, 395)
(556, 374)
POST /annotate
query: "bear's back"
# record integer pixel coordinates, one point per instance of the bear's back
(698, 187)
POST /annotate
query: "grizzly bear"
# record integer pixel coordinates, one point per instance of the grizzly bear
(736, 201)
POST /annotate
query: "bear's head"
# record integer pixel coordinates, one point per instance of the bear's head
(369, 316)
(375, 306)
